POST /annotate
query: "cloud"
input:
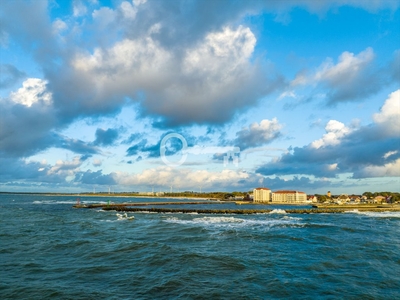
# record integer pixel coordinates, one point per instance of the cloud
(394, 67)
(33, 172)
(27, 120)
(205, 83)
(335, 132)
(75, 145)
(391, 169)
(66, 167)
(389, 116)
(133, 137)
(188, 179)
(9, 75)
(137, 148)
(89, 177)
(258, 134)
(97, 162)
(364, 151)
(105, 137)
(352, 78)
(33, 90)
(79, 9)
(172, 146)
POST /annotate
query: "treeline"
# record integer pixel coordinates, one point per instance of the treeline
(394, 196)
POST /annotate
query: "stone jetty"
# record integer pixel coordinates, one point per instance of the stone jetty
(316, 209)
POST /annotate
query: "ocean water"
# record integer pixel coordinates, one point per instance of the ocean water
(49, 250)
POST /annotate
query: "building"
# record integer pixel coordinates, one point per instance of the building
(261, 195)
(312, 198)
(379, 199)
(289, 197)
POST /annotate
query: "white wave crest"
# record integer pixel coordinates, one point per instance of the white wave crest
(236, 222)
(383, 214)
(278, 211)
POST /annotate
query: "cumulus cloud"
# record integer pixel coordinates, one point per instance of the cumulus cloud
(79, 9)
(27, 120)
(33, 90)
(66, 167)
(352, 78)
(258, 134)
(182, 178)
(207, 84)
(389, 116)
(365, 151)
(335, 132)
(391, 169)
(33, 172)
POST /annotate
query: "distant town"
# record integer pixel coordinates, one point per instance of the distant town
(259, 195)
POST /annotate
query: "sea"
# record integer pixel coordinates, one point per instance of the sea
(50, 250)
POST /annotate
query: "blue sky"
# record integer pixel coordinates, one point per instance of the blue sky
(305, 93)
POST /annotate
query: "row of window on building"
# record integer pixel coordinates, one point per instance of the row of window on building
(265, 195)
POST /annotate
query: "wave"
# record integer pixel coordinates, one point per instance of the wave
(230, 222)
(278, 211)
(383, 214)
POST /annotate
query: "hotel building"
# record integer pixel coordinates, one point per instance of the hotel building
(289, 197)
(261, 195)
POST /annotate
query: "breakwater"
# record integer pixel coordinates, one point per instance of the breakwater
(246, 211)
(106, 205)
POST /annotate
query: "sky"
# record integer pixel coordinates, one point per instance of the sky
(200, 95)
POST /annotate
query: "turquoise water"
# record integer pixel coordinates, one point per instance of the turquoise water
(48, 250)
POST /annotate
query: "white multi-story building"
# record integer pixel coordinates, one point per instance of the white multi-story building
(261, 195)
(289, 197)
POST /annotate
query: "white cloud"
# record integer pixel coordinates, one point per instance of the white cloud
(348, 67)
(387, 170)
(352, 78)
(226, 49)
(332, 167)
(258, 134)
(180, 178)
(215, 77)
(79, 9)
(335, 131)
(33, 91)
(389, 116)
(59, 26)
(139, 2)
(128, 10)
(287, 94)
(141, 60)
(104, 16)
(65, 167)
(390, 153)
